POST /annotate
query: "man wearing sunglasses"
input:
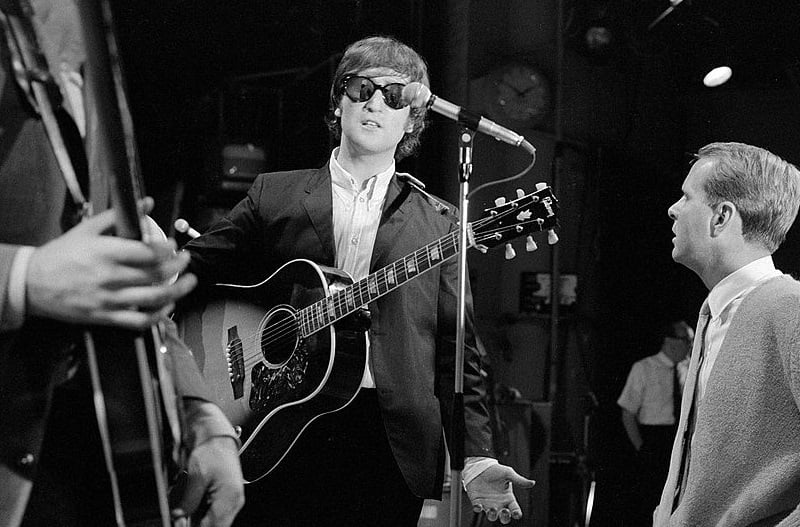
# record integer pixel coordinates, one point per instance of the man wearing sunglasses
(373, 462)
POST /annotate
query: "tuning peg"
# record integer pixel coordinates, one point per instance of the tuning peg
(520, 193)
(552, 237)
(541, 186)
(530, 244)
(510, 252)
(500, 201)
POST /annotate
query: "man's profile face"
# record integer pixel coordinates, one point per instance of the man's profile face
(692, 219)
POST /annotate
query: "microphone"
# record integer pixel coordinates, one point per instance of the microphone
(418, 95)
(183, 226)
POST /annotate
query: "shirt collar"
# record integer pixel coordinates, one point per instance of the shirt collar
(376, 186)
(664, 359)
(736, 283)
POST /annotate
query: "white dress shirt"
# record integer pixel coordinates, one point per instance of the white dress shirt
(648, 389)
(723, 301)
(356, 215)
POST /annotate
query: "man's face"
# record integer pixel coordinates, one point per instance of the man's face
(680, 345)
(692, 219)
(372, 127)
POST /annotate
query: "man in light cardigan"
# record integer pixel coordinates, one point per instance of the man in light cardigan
(736, 456)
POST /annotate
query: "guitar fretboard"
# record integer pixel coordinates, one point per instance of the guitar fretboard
(338, 305)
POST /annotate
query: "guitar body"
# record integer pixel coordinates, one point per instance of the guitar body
(270, 379)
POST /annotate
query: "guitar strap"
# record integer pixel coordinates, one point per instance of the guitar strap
(34, 79)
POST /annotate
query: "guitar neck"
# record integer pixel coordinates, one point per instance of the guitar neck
(528, 213)
(346, 301)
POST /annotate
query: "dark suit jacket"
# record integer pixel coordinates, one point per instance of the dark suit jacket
(288, 215)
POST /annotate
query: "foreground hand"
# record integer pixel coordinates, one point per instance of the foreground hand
(215, 487)
(491, 492)
(87, 277)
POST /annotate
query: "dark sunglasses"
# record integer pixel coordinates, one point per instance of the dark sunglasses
(361, 89)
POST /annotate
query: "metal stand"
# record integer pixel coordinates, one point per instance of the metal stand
(457, 427)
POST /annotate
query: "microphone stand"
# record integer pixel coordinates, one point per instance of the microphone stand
(457, 427)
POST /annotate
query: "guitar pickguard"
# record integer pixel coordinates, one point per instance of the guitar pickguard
(274, 386)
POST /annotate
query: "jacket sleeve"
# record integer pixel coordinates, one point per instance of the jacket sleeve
(228, 251)
(477, 431)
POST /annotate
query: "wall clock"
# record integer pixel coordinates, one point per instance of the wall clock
(519, 94)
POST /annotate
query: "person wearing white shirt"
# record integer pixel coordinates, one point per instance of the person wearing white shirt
(736, 456)
(650, 417)
(374, 461)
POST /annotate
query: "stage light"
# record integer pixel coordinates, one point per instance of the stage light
(712, 58)
(717, 76)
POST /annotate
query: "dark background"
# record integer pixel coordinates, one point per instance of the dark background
(616, 139)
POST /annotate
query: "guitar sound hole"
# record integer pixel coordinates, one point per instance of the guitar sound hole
(279, 336)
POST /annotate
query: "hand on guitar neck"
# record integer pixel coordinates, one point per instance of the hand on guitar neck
(88, 277)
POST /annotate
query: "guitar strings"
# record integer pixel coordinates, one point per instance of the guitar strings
(288, 327)
(338, 301)
(316, 314)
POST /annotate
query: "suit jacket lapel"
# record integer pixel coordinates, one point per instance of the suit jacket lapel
(319, 207)
(390, 226)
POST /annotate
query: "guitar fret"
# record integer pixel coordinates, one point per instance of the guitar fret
(390, 275)
(426, 263)
(318, 314)
(362, 292)
(411, 265)
(331, 312)
(435, 253)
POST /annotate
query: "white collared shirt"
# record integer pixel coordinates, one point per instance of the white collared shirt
(723, 301)
(648, 389)
(356, 215)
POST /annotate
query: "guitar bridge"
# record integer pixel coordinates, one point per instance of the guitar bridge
(234, 353)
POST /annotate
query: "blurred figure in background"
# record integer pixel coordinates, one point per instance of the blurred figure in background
(650, 404)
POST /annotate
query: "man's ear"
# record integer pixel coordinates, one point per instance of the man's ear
(724, 213)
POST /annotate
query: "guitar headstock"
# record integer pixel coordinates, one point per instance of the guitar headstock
(528, 213)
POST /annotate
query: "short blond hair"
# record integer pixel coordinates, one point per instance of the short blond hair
(764, 188)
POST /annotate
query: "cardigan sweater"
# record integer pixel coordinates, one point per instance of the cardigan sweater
(745, 461)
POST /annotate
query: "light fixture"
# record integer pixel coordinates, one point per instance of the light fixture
(712, 56)
(703, 34)
(717, 76)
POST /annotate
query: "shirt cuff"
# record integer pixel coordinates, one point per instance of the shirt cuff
(205, 420)
(474, 465)
(14, 311)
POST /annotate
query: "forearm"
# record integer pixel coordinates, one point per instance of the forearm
(632, 429)
(205, 420)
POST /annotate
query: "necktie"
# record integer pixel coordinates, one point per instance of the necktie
(686, 426)
(676, 394)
